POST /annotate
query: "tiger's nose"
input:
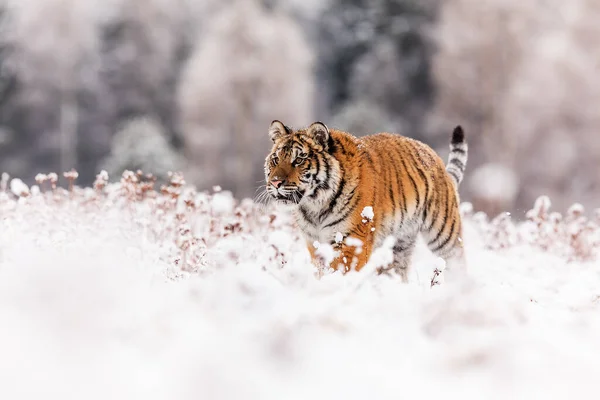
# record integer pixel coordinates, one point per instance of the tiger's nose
(276, 183)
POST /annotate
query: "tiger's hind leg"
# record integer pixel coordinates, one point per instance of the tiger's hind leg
(403, 250)
(446, 242)
(456, 263)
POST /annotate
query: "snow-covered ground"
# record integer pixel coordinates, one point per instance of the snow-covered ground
(118, 292)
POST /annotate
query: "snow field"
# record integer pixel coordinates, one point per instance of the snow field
(121, 293)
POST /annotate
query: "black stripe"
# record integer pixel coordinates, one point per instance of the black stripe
(428, 207)
(427, 194)
(458, 150)
(458, 164)
(312, 165)
(316, 176)
(331, 145)
(369, 159)
(293, 145)
(323, 184)
(412, 180)
(338, 146)
(306, 216)
(327, 171)
(374, 191)
(296, 145)
(334, 200)
(345, 215)
(443, 225)
(436, 211)
(392, 197)
(426, 183)
(394, 174)
(423, 176)
(447, 240)
(342, 148)
(318, 168)
(389, 180)
(438, 235)
(404, 207)
(454, 175)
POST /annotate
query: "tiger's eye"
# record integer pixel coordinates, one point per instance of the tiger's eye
(300, 159)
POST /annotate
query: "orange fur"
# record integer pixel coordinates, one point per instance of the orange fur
(403, 180)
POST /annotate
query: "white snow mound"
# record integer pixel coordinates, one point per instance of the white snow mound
(196, 303)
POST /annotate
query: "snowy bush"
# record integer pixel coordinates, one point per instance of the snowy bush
(135, 289)
(573, 237)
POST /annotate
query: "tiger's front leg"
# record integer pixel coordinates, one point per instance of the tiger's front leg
(351, 254)
(352, 257)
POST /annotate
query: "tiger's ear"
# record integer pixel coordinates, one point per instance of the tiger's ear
(319, 132)
(277, 130)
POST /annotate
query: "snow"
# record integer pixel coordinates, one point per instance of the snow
(18, 188)
(353, 241)
(367, 213)
(222, 202)
(326, 252)
(100, 299)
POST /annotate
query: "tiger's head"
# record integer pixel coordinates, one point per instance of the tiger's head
(299, 167)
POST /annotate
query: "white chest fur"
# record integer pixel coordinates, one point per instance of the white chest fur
(323, 230)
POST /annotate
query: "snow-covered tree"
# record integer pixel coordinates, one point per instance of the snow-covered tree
(251, 66)
(520, 77)
(78, 70)
(144, 45)
(378, 51)
(51, 57)
(142, 144)
(362, 117)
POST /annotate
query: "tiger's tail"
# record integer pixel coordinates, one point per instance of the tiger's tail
(457, 160)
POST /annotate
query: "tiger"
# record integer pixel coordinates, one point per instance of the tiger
(354, 192)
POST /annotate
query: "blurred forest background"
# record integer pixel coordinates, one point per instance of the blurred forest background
(192, 85)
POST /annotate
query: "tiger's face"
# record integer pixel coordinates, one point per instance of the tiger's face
(295, 167)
